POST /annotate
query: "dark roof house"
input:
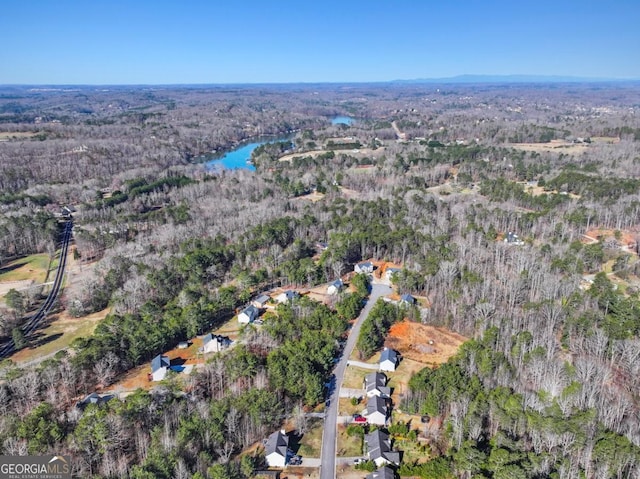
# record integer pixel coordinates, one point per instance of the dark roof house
(379, 449)
(383, 473)
(375, 385)
(277, 449)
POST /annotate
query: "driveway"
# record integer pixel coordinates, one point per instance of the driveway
(329, 435)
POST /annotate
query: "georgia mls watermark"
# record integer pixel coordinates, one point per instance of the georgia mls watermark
(35, 467)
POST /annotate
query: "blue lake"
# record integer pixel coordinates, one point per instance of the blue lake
(238, 157)
(342, 120)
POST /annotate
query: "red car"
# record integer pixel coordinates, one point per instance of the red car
(359, 419)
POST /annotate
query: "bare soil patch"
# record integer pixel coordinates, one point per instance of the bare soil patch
(422, 343)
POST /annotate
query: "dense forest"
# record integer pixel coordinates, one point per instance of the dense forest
(547, 386)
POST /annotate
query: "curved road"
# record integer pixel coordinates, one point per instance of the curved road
(34, 321)
(329, 434)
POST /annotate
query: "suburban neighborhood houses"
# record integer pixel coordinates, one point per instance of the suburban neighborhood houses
(276, 448)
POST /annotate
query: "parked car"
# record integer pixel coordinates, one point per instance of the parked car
(358, 461)
(295, 461)
(358, 419)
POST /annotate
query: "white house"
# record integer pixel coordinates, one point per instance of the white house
(375, 385)
(389, 272)
(335, 287)
(248, 315)
(376, 412)
(365, 267)
(287, 296)
(159, 367)
(213, 343)
(379, 449)
(388, 360)
(277, 449)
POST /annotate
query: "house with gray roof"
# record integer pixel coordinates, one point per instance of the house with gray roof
(335, 286)
(388, 360)
(248, 315)
(375, 385)
(389, 272)
(94, 398)
(277, 449)
(159, 367)
(213, 343)
(260, 301)
(407, 300)
(365, 267)
(377, 411)
(383, 473)
(379, 449)
(287, 296)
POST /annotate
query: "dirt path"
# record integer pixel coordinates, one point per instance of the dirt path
(399, 134)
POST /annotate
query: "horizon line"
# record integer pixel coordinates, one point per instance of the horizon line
(457, 79)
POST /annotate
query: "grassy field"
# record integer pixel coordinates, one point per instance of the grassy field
(345, 408)
(58, 335)
(348, 446)
(354, 377)
(311, 441)
(231, 328)
(412, 450)
(16, 135)
(32, 267)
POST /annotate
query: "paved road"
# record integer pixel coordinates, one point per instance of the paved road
(329, 434)
(7, 348)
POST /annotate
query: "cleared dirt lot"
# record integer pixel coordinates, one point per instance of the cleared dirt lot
(425, 344)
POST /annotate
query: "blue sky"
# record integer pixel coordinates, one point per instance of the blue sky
(213, 41)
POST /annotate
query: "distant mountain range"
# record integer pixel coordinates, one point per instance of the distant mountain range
(514, 79)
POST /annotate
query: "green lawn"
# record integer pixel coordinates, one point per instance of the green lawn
(59, 335)
(33, 267)
(348, 446)
(354, 377)
(311, 441)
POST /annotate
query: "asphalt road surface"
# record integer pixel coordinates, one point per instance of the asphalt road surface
(329, 435)
(7, 348)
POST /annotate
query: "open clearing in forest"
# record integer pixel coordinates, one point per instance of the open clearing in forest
(57, 335)
(556, 146)
(16, 135)
(422, 343)
(358, 153)
(29, 268)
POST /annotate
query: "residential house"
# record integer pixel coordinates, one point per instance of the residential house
(365, 267)
(287, 296)
(375, 385)
(213, 343)
(248, 315)
(94, 398)
(335, 287)
(379, 449)
(159, 367)
(261, 301)
(389, 272)
(388, 360)
(513, 239)
(277, 449)
(383, 473)
(377, 411)
(407, 300)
